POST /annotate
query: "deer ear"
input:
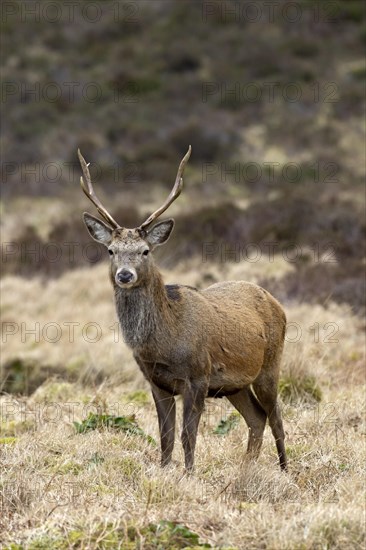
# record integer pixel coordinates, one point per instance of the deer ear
(98, 230)
(159, 233)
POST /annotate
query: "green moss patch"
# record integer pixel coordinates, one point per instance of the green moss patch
(127, 424)
(227, 424)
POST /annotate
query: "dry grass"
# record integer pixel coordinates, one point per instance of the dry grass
(66, 490)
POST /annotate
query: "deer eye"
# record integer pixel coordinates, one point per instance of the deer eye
(110, 251)
(145, 252)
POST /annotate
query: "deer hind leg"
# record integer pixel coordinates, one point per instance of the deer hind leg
(265, 387)
(255, 417)
(165, 406)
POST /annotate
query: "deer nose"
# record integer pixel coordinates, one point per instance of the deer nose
(125, 276)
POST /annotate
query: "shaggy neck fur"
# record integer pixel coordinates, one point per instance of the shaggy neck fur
(142, 310)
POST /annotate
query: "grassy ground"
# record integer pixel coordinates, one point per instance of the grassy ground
(61, 489)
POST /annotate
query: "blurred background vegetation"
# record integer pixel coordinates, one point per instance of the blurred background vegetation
(271, 100)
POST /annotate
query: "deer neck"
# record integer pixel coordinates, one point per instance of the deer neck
(143, 311)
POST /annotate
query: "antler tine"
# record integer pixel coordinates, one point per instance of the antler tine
(174, 193)
(87, 187)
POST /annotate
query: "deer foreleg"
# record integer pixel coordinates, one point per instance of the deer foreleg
(165, 406)
(193, 404)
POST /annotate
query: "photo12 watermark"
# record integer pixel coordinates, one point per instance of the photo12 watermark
(67, 171)
(268, 172)
(250, 12)
(92, 332)
(72, 92)
(241, 92)
(239, 251)
(71, 11)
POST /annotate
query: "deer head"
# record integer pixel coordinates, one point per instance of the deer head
(129, 249)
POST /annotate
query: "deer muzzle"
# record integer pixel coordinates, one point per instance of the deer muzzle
(126, 277)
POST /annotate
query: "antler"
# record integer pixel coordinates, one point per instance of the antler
(174, 194)
(87, 187)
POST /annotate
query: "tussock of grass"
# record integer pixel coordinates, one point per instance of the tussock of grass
(294, 388)
(161, 535)
(139, 396)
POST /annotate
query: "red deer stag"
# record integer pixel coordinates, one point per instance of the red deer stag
(226, 340)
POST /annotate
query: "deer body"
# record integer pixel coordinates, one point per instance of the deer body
(228, 323)
(225, 340)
